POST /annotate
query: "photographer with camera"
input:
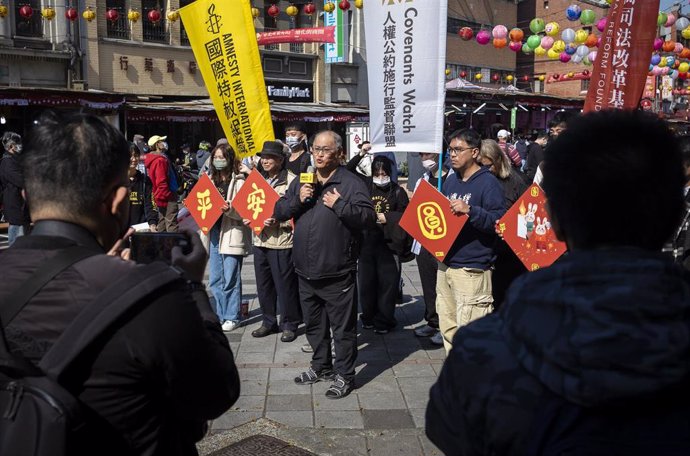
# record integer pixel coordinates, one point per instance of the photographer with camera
(153, 376)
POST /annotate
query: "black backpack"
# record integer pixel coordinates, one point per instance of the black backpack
(656, 424)
(37, 415)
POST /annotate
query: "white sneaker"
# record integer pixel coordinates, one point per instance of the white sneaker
(437, 339)
(425, 331)
(229, 325)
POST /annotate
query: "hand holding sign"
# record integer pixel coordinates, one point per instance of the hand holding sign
(255, 201)
(430, 220)
(205, 203)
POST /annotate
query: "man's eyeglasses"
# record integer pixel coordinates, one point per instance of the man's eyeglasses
(322, 150)
(457, 150)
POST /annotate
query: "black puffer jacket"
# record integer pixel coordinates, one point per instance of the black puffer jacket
(12, 183)
(596, 329)
(327, 240)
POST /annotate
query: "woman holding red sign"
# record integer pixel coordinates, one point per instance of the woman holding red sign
(229, 240)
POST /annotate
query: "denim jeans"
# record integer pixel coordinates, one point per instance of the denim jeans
(225, 279)
(13, 232)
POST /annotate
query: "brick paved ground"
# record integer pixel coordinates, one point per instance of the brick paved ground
(384, 415)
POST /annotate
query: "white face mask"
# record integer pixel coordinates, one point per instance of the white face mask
(382, 181)
(292, 141)
(429, 165)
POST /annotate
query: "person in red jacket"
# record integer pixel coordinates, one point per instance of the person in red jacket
(159, 170)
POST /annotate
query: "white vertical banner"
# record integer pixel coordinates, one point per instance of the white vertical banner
(406, 55)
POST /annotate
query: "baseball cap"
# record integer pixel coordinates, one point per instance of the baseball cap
(503, 134)
(154, 139)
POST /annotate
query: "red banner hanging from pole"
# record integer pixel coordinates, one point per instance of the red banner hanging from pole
(619, 73)
(302, 35)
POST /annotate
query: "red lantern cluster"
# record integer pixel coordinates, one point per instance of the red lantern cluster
(273, 11)
(71, 14)
(26, 12)
(344, 5)
(154, 16)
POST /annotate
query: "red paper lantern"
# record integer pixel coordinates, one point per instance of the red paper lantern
(26, 12)
(112, 15)
(71, 14)
(463, 74)
(309, 8)
(585, 73)
(495, 77)
(273, 11)
(344, 5)
(466, 33)
(525, 78)
(154, 16)
(556, 76)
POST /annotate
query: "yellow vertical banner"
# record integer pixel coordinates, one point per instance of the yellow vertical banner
(222, 36)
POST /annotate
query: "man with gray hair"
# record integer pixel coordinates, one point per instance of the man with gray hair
(12, 183)
(329, 215)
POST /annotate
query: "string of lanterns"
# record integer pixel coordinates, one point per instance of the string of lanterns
(72, 14)
(309, 8)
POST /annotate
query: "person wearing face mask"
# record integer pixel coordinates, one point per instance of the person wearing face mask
(15, 207)
(164, 185)
(507, 266)
(426, 262)
(296, 139)
(379, 267)
(141, 208)
(360, 164)
(229, 241)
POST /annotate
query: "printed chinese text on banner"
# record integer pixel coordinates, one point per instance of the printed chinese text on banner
(406, 53)
(527, 230)
(429, 220)
(336, 51)
(223, 39)
(301, 35)
(255, 201)
(205, 203)
(622, 63)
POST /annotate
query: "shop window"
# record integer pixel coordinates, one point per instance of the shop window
(32, 27)
(273, 65)
(184, 39)
(119, 28)
(584, 85)
(154, 32)
(297, 67)
(297, 48)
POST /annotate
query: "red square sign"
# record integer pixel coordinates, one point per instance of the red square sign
(429, 220)
(255, 201)
(527, 230)
(205, 203)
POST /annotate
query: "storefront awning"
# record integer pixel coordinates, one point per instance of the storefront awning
(202, 110)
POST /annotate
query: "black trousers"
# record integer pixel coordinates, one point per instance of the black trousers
(378, 274)
(428, 266)
(330, 304)
(276, 287)
(507, 268)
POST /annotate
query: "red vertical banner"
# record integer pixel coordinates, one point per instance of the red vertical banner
(620, 74)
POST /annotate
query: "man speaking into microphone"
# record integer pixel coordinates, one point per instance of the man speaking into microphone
(330, 208)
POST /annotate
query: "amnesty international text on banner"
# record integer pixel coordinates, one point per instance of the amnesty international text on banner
(223, 39)
(622, 63)
(406, 50)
